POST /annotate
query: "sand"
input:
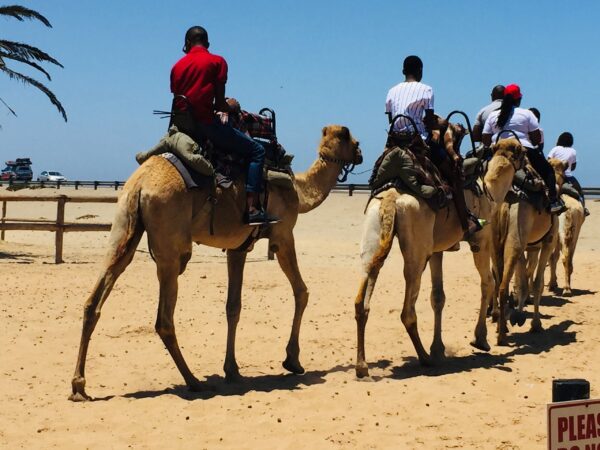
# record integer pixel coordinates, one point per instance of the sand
(475, 400)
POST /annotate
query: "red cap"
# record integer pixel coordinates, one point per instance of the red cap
(513, 90)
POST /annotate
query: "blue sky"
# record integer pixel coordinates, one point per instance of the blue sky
(314, 62)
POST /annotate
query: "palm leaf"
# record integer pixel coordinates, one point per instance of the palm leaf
(27, 52)
(30, 81)
(24, 61)
(8, 107)
(21, 13)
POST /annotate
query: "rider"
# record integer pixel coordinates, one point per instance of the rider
(200, 76)
(415, 99)
(526, 126)
(497, 95)
(565, 152)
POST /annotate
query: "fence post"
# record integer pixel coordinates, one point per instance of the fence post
(350, 189)
(60, 222)
(76, 185)
(116, 185)
(95, 185)
(3, 216)
(58, 184)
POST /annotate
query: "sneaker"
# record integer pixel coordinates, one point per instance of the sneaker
(557, 207)
(259, 217)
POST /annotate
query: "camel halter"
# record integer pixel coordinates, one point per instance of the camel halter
(347, 166)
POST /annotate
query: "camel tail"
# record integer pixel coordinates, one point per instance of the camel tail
(127, 226)
(387, 218)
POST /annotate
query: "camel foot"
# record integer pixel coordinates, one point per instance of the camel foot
(495, 316)
(502, 341)
(517, 318)
(425, 360)
(438, 355)
(233, 377)
(480, 345)
(536, 326)
(79, 397)
(78, 386)
(567, 292)
(362, 372)
(196, 385)
(553, 287)
(293, 366)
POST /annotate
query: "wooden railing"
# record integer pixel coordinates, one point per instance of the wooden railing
(59, 226)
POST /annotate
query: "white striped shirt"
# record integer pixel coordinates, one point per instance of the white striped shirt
(411, 98)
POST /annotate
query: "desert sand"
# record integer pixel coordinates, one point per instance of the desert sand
(475, 400)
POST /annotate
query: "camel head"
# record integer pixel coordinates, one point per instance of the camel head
(337, 144)
(559, 168)
(508, 157)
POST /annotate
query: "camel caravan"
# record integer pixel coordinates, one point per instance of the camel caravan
(220, 178)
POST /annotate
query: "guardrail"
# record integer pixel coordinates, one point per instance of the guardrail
(58, 184)
(59, 226)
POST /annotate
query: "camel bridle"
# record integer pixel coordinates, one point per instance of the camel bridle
(347, 166)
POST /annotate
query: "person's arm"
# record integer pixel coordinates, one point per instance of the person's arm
(486, 139)
(220, 102)
(476, 134)
(535, 137)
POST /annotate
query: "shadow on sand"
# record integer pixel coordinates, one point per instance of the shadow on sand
(525, 343)
(520, 344)
(218, 387)
(19, 258)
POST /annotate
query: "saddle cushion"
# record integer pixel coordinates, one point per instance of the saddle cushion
(569, 189)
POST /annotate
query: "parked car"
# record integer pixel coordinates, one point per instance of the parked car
(7, 174)
(23, 173)
(51, 176)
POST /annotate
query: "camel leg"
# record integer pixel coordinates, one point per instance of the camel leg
(235, 270)
(415, 260)
(168, 271)
(568, 253)
(482, 263)
(286, 256)
(538, 285)
(553, 283)
(374, 251)
(438, 299)
(533, 257)
(115, 263)
(510, 260)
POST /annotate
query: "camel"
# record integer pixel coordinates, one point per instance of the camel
(155, 200)
(423, 235)
(569, 226)
(517, 227)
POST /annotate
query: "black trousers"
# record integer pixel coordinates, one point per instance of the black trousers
(543, 167)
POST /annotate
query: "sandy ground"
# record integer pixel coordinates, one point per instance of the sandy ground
(492, 401)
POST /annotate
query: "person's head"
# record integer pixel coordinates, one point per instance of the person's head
(536, 113)
(497, 92)
(413, 67)
(565, 140)
(512, 97)
(195, 36)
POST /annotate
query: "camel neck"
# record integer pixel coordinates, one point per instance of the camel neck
(314, 185)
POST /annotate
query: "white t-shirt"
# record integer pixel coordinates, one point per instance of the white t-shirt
(411, 98)
(522, 122)
(565, 154)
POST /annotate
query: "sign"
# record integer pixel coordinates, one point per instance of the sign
(574, 425)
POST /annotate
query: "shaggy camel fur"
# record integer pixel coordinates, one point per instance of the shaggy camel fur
(423, 235)
(156, 200)
(520, 226)
(569, 226)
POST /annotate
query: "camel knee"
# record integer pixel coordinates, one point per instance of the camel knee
(164, 330)
(438, 297)
(409, 318)
(183, 260)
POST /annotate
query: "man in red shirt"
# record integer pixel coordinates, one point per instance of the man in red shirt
(200, 76)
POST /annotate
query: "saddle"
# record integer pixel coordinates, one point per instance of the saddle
(405, 164)
(226, 166)
(529, 186)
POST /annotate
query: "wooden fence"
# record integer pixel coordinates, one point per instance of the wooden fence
(59, 226)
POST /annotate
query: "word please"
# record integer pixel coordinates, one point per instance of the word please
(580, 427)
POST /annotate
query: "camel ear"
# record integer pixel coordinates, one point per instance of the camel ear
(324, 131)
(345, 133)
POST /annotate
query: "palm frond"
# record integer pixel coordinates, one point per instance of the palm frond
(21, 13)
(28, 52)
(8, 107)
(30, 81)
(24, 61)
